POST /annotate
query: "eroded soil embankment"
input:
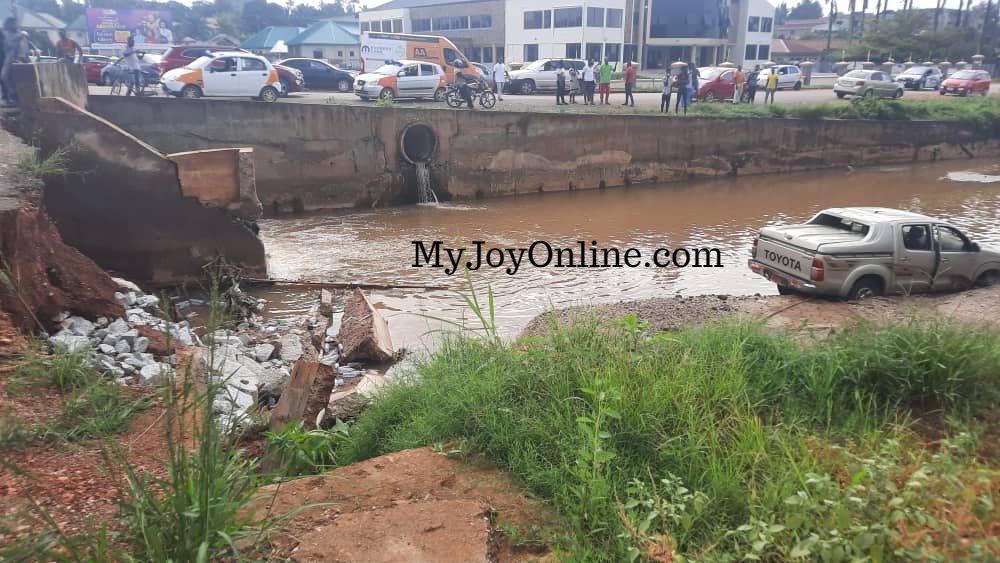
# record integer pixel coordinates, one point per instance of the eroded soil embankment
(976, 306)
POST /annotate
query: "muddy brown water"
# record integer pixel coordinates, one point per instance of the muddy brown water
(375, 246)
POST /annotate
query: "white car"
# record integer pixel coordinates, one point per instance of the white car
(541, 75)
(789, 76)
(225, 73)
(402, 79)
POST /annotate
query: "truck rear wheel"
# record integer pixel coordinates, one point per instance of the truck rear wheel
(782, 290)
(989, 279)
(866, 288)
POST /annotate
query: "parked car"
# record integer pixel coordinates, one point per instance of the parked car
(540, 75)
(403, 79)
(716, 83)
(226, 73)
(321, 75)
(859, 252)
(291, 79)
(93, 65)
(116, 71)
(789, 76)
(920, 77)
(867, 83)
(182, 55)
(965, 82)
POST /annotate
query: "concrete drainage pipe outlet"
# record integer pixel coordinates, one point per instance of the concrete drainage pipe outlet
(418, 143)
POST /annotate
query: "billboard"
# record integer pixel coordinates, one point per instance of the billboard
(109, 29)
(377, 49)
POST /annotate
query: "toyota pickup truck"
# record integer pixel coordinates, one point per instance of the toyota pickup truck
(861, 252)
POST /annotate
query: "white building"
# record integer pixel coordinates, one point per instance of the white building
(591, 29)
(751, 31)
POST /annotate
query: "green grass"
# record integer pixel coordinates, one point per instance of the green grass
(982, 114)
(723, 443)
(39, 166)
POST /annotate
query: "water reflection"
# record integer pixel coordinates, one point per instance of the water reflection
(375, 246)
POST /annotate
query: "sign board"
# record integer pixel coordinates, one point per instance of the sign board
(376, 50)
(110, 29)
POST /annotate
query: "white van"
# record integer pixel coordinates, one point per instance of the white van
(541, 75)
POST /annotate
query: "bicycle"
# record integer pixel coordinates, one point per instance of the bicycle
(120, 86)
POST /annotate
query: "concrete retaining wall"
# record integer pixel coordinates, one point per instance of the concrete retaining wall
(321, 156)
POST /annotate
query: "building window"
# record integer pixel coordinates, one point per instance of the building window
(594, 51)
(568, 17)
(751, 54)
(765, 24)
(499, 53)
(763, 51)
(376, 26)
(614, 17)
(352, 53)
(475, 54)
(612, 51)
(420, 24)
(397, 26)
(487, 54)
(572, 50)
(481, 22)
(538, 19)
(595, 17)
(340, 54)
(452, 22)
(365, 26)
(386, 26)
(530, 53)
(685, 18)
(754, 24)
(317, 53)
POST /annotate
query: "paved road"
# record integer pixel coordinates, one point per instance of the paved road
(645, 102)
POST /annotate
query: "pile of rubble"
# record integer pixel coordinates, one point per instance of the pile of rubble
(253, 364)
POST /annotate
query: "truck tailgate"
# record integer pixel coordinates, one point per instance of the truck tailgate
(783, 258)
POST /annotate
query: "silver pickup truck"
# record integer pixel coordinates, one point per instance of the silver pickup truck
(860, 252)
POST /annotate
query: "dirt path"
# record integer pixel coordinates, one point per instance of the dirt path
(415, 506)
(785, 311)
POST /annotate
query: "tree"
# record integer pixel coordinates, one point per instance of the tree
(780, 14)
(806, 10)
(910, 34)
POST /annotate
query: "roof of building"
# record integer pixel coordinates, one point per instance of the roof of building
(401, 4)
(333, 31)
(804, 46)
(30, 19)
(267, 37)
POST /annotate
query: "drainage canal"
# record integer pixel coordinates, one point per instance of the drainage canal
(417, 145)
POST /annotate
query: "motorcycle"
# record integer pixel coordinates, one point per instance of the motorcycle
(480, 91)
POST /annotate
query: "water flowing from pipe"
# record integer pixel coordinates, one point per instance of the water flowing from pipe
(425, 193)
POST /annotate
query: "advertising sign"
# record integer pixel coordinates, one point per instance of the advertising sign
(377, 50)
(110, 29)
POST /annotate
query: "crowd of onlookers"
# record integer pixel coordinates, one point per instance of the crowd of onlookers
(681, 78)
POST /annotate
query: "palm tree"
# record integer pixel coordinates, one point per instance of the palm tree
(829, 26)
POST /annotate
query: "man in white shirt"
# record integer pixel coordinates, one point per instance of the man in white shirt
(588, 84)
(499, 77)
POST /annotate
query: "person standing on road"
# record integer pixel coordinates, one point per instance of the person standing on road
(588, 83)
(499, 77)
(66, 48)
(629, 84)
(15, 50)
(574, 83)
(665, 97)
(772, 86)
(605, 72)
(693, 76)
(683, 90)
(561, 87)
(752, 84)
(131, 56)
(737, 84)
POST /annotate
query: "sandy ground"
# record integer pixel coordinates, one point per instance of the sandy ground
(786, 311)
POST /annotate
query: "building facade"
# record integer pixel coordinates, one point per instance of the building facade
(652, 33)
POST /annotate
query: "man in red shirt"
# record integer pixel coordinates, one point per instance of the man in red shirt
(66, 48)
(629, 84)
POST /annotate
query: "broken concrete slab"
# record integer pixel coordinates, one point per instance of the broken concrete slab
(291, 348)
(295, 398)
(364, 333)
(348, 403)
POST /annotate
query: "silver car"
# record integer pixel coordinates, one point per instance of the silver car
(867, 83)
(859, 252)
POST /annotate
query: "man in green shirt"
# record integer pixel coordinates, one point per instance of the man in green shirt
(605, 81)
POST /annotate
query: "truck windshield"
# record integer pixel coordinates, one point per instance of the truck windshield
(841, 223)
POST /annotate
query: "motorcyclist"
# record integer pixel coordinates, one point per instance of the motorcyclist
(465, 81)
